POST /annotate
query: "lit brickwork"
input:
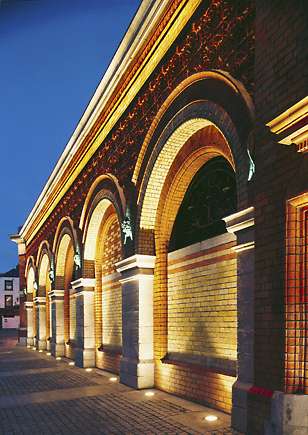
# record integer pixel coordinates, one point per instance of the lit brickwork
(195, 313)
(296, 356)
(103, 250)
(176, 160)
(44, 288)
(64, 275)
(224, 323)
(202, 301)
(202, 318)
(31, 321)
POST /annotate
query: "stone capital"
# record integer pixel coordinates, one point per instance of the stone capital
(39, 300)
(240, 220)
(56, 295)
(136, 261)
(241, 224)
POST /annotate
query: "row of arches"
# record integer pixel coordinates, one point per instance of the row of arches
(144, 284)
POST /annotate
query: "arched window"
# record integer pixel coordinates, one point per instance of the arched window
(210, 196)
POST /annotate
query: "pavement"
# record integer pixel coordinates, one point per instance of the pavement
(42, 395)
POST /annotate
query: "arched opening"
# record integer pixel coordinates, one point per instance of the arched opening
(64, 277)
(102, 250)
(43, 301)
(190, 183)
(210, 196)
(31, 317)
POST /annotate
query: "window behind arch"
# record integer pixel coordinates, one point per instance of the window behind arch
(210, 196)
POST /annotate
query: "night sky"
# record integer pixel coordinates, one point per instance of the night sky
(53, 55)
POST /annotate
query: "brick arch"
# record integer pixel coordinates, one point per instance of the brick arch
(200, 132)
(65, 247)
(30, 278)
(30, 275)
(113, 191)
(215, 85)
(60, 249)
(30, 263)
(103, 194)
(102, 249)
(44, 260)
(194, 118)
(44, 283)
(201, 147)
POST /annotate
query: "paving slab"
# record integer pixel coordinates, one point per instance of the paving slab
(40, 395)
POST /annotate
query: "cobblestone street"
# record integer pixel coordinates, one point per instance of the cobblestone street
(39, 395)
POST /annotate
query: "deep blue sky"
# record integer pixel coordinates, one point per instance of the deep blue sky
(53, 55)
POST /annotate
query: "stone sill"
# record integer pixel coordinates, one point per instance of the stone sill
(202, 364)
(110, 350)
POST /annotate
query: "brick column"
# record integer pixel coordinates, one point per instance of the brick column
(29, 311)
(83, 290)
(57, 322)
(40, 303)
(242, 225)
(48, 307)
(137, 365)
(72, 337)
(22, 331)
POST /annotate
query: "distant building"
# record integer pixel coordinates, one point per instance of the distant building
(9, 299)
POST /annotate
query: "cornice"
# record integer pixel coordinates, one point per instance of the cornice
(291, 126)
(151, 33)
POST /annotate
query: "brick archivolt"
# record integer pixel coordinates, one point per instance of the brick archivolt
(64, 260)
(45, 286)
(217, 136)
(102, 249)
(30, 281)
(43, 270)
(225, 80)
(199, 132)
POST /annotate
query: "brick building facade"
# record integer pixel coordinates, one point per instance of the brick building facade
(169, 244)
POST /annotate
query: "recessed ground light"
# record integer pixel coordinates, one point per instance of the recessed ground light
(88, 369)
(211, 418)
(40, 351)
(113, 379)
(48, 353)
(33, 348)
(71, 363)
(149, 394)
(58, 358)
(29, 347)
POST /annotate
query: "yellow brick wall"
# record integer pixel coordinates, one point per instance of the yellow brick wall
(202, 303)
(112, 313)
(201, 323)
(206, 387)
(108, 294)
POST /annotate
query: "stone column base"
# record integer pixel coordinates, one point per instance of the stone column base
(57, 349)
(137, 374)
(22, 336)
(289, 415)
(239, 417)
(30, 341)
(41, 344)
(84, 357)
(22, 341)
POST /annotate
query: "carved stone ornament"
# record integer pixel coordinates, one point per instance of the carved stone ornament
(77, 260)
(126, 226)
